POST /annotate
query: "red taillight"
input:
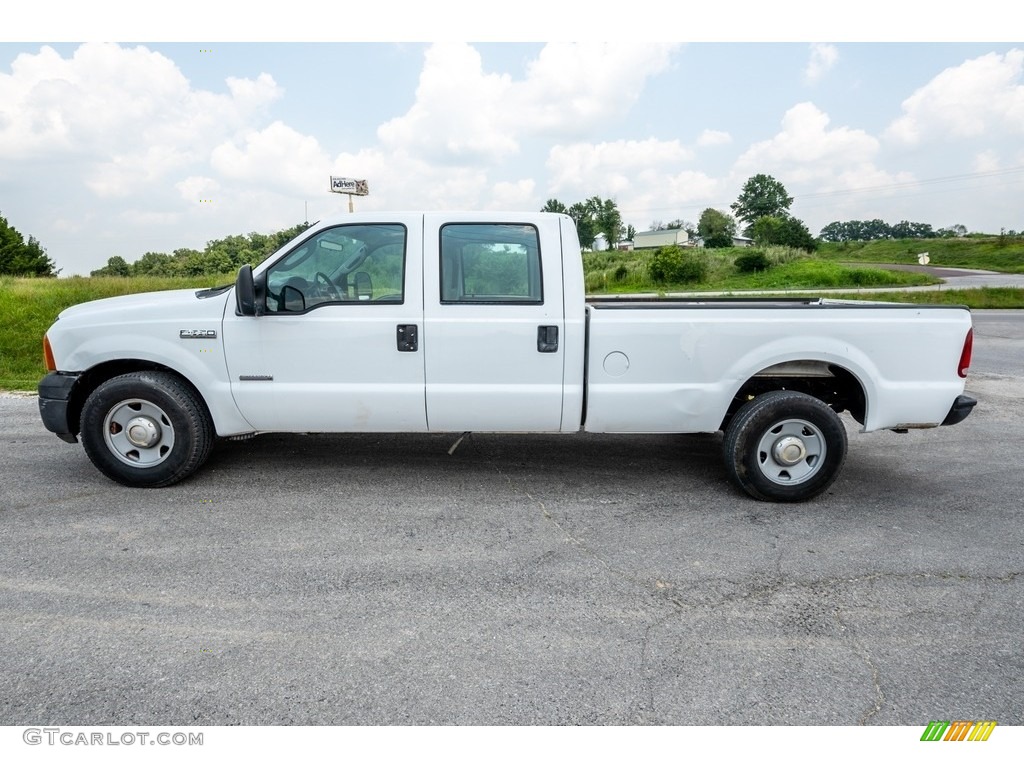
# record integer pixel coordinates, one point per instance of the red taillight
(965, 356)
(48, 355)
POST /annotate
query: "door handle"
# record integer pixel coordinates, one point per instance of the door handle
(547, 338)
(408, 338)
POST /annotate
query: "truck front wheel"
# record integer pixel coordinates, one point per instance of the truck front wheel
(784, 446)
(146, 429)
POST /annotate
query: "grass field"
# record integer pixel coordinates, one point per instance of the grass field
(28, 306)
(995, 253)
(629, 272)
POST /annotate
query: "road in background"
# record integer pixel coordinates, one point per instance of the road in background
(997, 348)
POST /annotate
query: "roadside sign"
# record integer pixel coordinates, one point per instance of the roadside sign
(348, 186)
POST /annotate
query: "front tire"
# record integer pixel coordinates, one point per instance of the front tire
(146, 430)
(784, 446)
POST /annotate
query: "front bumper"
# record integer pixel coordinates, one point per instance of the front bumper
(54, 398)
(960, 410)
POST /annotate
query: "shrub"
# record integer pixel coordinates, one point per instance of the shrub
(754, 261)
(671, 264)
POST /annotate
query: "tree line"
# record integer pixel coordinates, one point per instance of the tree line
(876, 229)
(219, 257)
(762, 207)
(21, 257)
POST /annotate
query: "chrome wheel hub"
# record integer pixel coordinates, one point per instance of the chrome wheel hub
(138, 433)
(791, 451)
(142, 432)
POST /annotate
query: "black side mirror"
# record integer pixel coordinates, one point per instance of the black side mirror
(245, 292)
(292, 299)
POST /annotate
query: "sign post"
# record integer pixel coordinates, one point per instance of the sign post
(346, 186)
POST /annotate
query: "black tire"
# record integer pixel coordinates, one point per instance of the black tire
(784, 446)
(146, 430)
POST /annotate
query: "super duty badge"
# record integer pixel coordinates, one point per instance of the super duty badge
(197, 334)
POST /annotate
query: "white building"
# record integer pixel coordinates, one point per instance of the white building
(655, 238)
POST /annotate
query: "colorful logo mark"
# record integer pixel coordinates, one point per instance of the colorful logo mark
(958, 730)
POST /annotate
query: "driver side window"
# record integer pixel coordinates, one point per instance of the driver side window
(349, 264)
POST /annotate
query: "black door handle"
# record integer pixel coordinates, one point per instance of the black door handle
(547, 338)
(408, 338)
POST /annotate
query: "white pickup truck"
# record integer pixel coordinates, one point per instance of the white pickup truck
(477, 322)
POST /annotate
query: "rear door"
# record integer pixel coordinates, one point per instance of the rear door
(493, 323)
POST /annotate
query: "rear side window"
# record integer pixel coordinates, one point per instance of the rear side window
(490, 264)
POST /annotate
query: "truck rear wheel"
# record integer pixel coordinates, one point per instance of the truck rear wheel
(146, 429)
(784, 446)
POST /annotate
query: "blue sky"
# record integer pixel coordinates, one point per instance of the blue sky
(125, 147)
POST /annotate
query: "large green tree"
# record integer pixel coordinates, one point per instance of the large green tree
(716, 228)
(783, 230)
(762, 195)
(592, 216)
(608, 219)
(18, 257)
(116, 266)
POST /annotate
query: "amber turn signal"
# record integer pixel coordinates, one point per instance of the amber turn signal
(51, 365)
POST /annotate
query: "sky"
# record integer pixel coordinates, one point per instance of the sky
(116, 141)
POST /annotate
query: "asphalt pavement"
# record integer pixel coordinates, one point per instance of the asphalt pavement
(586, 579)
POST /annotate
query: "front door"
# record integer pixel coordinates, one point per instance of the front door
(337, 347)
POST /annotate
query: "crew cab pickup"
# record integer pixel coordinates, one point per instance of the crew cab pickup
(478, 322)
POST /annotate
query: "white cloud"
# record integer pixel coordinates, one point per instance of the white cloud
(823, 57)
(985, 162)
(836, 168)
(198, 188)
(981, 95)
(806, 149)
(277, 156)
(611, 166)
(645, 178)
(463, 114)
(513, 195)
(710, 138)
(127, 114)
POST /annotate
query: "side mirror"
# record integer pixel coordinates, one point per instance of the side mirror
(245, 292)
(292, 299)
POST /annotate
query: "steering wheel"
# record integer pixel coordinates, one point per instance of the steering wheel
(325, 288)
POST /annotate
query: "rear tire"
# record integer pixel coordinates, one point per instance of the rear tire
(784, 446)
(146, 430)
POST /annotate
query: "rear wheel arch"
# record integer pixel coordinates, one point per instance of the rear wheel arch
(833, 384)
